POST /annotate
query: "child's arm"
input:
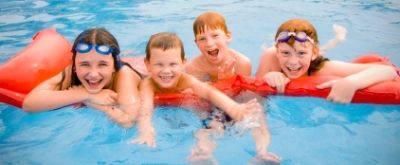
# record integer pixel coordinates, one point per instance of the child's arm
(268, 63)
(356, 76)
(269, 70)
(45, 96)
(238, 64)
(145, 127)
(128, 98)
(233, 109)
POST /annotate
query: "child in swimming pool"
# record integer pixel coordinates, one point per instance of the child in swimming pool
(216, 60)
(96, 78)
(296, 54)
(165, 60)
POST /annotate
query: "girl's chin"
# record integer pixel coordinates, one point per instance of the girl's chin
(214, 60)
(93, 91)
(293, 76)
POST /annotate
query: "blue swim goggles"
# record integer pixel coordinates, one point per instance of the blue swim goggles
(299, 36)
(83, 47)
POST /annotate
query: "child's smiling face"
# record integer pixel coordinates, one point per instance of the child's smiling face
(295, 61)
(165, 67)
(94, 70)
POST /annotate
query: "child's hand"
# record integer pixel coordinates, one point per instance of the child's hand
(269, 157)
(146, 137)
(277, 80)
(104, 97)
(342, 90)
(227, 70)
(241, 110)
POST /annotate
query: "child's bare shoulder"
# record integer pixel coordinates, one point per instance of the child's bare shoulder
(240, 58)
(193, 63)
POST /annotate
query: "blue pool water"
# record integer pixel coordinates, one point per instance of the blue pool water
(304, 130)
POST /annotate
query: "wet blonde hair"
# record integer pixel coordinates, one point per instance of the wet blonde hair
(301, 25)
(209, 20)
(164, 41)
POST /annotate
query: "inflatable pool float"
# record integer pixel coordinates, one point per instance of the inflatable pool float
(49, 53)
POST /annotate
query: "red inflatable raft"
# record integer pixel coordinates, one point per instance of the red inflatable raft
(49, 53)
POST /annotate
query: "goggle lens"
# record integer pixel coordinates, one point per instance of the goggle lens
(101, 49)
(83, 48)
(299, 36)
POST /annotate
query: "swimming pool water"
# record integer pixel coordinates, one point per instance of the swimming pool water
(304, 130)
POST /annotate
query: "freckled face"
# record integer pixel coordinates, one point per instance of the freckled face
(94, 70)
(165, 67)
(213, 44)
(295, 61)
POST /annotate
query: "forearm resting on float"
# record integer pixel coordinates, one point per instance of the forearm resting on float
(43, 99)
(372, 75)
(218, 98)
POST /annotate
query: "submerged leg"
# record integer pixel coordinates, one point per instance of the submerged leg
(202, 152)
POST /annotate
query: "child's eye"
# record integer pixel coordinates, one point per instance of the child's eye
(301, 53)
(84, 64)
(285, 53)
(201, 39)
(215, 35)
(103, 64)
(173, 64)
(158, 64)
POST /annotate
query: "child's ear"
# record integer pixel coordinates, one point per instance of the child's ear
(147, 63)
(229, 36)
(184, 61)
(315, 53)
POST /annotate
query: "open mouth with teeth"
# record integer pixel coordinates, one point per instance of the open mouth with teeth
(294, 69)
(213, 53)
(166, 79)
(94, 84)
(293, 72)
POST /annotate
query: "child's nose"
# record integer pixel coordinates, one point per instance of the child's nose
(93, 72)
(210, 42)
(293, 60)
(166, 70)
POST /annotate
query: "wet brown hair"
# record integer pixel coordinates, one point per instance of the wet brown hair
(164, 41)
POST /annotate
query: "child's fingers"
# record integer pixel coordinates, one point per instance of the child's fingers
(137, 141)
(337, 99)
(114, 96)
(151, 143)
(279, 84)
(270, 82)
(327, 84)
(280, 88)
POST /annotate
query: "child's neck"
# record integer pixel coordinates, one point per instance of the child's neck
(174, 89)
